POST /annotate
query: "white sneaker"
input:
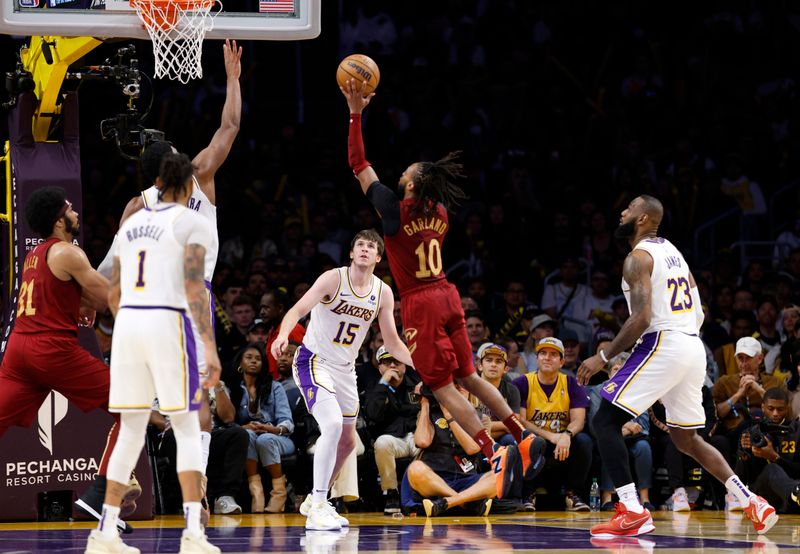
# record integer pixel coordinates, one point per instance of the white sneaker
(226, 505)
(732, 503)
(306, 506)
(680, 502)
(196, 544)
(322, 517)
(98, 543)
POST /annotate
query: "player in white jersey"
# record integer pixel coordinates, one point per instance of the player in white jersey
(202, 199)
(343, 302)
(667, 363)
(157, 292)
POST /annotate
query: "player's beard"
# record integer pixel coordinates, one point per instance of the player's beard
(70, 228)
(401, 190)
(626, 230)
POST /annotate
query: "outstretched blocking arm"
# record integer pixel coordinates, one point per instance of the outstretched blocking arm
(322, 290)
(391, 339)
(207, 162)
(636, 271)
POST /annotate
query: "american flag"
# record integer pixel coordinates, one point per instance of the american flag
(276, 6)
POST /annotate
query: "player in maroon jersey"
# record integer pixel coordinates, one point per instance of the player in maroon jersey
(433, 320)
(59, 292)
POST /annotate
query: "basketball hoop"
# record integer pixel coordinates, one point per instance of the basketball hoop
(177, 29)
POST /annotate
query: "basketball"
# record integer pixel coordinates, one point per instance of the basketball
(361, 68)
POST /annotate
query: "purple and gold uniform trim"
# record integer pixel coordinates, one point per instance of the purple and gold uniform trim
(305, 369)
(628, 373)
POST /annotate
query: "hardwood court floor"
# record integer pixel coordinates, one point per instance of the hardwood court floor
(556, 532)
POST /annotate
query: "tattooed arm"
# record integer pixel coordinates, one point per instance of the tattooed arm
(637, 270)
(197, 297)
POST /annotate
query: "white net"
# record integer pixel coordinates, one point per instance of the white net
(177, 29)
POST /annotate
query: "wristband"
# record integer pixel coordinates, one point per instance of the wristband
(602, 356)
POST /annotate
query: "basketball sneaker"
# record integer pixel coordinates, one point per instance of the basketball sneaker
(192, 543)
(91, 502)
(435, 507)
(680, 502)
(761, 514)
(531, 451)
(624, 524)
(98, 543)
(305, 508)
(507, 466)
(322, 517)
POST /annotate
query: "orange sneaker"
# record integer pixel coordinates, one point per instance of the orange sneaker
(531, 450)
(624, 524)
(761, 514)
(506, 465)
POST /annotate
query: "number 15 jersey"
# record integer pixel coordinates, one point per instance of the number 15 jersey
(415, 250)
(671, 299)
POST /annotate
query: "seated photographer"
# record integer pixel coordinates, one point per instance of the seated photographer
(769, 460)
(445, 475)
(739, 396)
(554, 407)
(391, 418)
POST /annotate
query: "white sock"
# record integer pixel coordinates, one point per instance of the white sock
(205, 444)
(191, 511)
(108, 521)
(318, 496)
(627, 495)
(739, 490)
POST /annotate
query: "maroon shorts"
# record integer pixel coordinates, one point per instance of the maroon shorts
(434, 327)
(36, 364)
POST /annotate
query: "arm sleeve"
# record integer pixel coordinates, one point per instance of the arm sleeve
(107, 264)
(388, 206)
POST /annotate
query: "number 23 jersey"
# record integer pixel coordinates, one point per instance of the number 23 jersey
(415, 250)
(671, 300)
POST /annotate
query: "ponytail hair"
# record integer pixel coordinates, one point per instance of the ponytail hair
(175, 170)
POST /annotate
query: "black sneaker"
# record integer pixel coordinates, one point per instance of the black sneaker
(480, 507)
(796, 494)
(434, 507)
(91, 503)
(392, 505)
(532, 450)
(529, 504)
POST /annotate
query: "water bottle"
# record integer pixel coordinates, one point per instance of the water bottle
(594, 496)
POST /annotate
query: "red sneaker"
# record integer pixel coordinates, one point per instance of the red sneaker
(624, 524)
(531, 450)
(761, 514)
(505, 464)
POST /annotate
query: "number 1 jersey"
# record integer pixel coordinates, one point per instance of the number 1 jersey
(151, 248)
(415, 251)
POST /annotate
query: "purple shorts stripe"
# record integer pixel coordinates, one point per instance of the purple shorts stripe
(305, 366)
(193, 374)
(641, 355)
(212, 306)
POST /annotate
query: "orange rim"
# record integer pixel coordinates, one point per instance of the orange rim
(164, 13)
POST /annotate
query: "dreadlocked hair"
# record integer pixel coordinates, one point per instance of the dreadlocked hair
(176, 169)
(435, 183)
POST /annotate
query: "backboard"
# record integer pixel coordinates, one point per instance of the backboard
(254, 20)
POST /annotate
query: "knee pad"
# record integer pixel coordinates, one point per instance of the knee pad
(187, 438)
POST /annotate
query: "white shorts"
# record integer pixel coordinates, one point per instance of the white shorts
(153, 355)
(666, 365)
(314, 374)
